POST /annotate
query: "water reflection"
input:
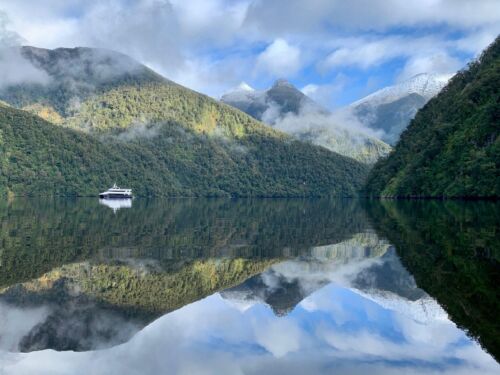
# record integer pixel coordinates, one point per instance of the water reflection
(116, 204)
(453, 250)
(242, 287)
(100, 277)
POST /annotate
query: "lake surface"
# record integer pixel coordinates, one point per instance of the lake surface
(249, 287)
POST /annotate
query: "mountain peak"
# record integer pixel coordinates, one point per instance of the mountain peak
(282, 82)
(426, 85)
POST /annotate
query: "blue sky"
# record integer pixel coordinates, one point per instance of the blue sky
(336, 51)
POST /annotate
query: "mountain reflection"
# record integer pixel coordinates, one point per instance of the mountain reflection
(247, 287)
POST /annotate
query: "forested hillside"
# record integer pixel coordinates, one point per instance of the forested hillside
(40, 158)
(452, 147)
(111, 119)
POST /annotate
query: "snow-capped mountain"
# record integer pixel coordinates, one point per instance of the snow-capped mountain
(285, 107)
(242, 96)
(424, 84)
(390, 109)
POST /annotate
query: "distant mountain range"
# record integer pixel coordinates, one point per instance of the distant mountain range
(84, 118)
(386, 112)
(390, 109)
(286, 108)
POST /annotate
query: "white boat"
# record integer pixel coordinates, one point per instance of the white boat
(116, 193)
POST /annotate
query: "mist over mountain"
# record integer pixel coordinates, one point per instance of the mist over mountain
(390, 109)
(143, 130)
(286, 108)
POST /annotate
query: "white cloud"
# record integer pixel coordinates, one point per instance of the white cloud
(279, 59)
(366, 52)
(14, 68)
(325, 94)
(197, 19)
(279, 337)
(187, 40)
(296, 16)
(310, 89)
(15, 323)
(439, 63)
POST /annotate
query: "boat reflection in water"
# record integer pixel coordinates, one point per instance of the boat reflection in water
(116, 203)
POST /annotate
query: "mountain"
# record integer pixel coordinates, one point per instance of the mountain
(108, 118)
(452, 147)
(272, 104)
(390, 109)
(286, 108)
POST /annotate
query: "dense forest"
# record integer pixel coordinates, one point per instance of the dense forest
(452, 147)
(452, 250)
(109, 119)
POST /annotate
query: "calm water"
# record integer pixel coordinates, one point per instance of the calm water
(249, 287)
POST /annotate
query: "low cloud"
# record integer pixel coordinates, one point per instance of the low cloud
(439, 63)
(15, 323)
(309, 119)
(14, 68)
(326, 94)
(279, 59)
(139, 130)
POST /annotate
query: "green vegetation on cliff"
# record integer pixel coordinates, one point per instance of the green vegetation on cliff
(452, 147)
(113, 119)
